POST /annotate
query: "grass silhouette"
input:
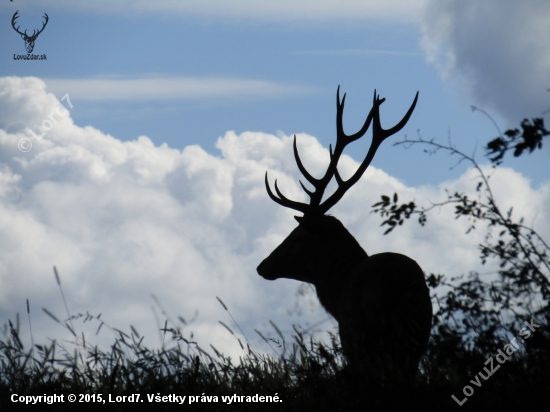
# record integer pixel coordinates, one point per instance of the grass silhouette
(306, 374)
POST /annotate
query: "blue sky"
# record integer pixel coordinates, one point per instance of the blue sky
(298, 59)
(188, 74)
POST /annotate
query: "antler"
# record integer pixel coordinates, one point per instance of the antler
(15, 16)
(315, 207)
(43, 26)
(34, 33)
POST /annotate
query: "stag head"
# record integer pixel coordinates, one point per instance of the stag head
(307, 251)
(29, 40)
(304, 254)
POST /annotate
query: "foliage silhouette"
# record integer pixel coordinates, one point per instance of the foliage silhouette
(529, 138)
(469, 324)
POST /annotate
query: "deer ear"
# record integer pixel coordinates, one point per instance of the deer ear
(308, 223)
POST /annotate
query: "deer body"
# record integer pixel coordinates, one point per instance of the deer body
(381, 302)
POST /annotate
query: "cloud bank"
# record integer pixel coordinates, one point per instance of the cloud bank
(496, 53)
(126, 220)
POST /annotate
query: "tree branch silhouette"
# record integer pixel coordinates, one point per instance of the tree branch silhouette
(474, 306)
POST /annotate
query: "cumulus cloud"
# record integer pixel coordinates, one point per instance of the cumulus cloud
(497, 53)
(126, 220)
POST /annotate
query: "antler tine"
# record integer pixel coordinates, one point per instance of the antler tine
(309, 192)
(303, 170)
(13, 19)
(342, 139)
(44, 24)
(340, 135)
(284, 201)
(315, 196)
(378, 136)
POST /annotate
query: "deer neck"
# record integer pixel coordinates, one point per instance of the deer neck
(336, 277)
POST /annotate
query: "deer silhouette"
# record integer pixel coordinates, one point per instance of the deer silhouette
(381, 302)
(29, 40)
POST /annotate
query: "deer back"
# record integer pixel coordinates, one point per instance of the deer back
(386, 307)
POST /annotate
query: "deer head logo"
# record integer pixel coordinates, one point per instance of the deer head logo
(29, 40)
(381, 302)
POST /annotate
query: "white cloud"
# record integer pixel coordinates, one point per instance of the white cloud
(270, 10)
(180, 88)
(497, 53)
(124, 220)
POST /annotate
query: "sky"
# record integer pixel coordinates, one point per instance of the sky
(133, 157)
